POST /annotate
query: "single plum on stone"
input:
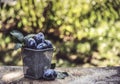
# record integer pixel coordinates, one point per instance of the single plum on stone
(39, 38)
(30, 43)
(41, 46)
(49, 74)
(49, 44)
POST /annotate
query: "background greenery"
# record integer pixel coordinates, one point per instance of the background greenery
(84, 32)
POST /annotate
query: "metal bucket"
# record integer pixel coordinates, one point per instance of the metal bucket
(36, 61)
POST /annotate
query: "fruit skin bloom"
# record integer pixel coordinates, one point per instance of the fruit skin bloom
(41, 46)
(39, 38)
(49, 44)
(31, 43)
(50, 74)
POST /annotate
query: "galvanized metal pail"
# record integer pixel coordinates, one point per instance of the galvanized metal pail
(36, 61)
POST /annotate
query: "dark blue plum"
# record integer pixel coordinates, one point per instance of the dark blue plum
(49, 74)
(49, 44)
(41, 46)
(30, 43)
(39, 38)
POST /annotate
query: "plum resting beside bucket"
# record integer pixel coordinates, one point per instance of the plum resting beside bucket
(36, 61)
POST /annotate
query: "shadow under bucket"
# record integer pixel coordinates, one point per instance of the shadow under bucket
(36, 61)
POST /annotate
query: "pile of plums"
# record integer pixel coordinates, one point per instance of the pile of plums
(38, 42)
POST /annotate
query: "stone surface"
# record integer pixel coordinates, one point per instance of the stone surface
(77, 75)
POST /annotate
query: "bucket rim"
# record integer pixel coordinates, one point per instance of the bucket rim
(38, 50)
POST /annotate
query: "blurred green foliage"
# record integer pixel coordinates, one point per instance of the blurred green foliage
(84, 32)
